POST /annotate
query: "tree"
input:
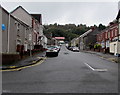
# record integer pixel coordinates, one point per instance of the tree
(69, 31)
(101, 27)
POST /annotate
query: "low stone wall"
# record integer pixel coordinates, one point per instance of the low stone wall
(9, 58)
(100, 50)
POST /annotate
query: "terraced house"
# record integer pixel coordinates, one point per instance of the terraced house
(21, 33)
(109, 38)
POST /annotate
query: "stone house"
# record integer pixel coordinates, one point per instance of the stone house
(75, 42)
(88, 39)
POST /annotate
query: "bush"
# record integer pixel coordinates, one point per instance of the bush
(97, 46)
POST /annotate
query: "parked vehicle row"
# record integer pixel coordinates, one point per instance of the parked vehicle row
(52, 51)
(73, 48)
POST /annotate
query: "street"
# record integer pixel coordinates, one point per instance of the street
(70, 72)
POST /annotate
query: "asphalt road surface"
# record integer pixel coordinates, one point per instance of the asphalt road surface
(70, 72)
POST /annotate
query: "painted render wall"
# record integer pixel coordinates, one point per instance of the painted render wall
(12, 36)
(115, 47)
(23, 16)
(0, 49)
(5, 17)
(0, 30)
(119, 28)
(23, 35)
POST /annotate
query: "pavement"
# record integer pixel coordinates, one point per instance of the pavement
(24, 62)
(106, 56)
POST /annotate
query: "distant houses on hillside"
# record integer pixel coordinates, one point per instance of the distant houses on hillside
(107, 40)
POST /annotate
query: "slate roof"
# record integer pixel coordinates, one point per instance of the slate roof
(118, 16)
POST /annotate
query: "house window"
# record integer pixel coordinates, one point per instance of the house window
(106, 35)
(116, 32)
(109, 34)
(112, 33)
(25, 32)
(18, 26)
(18, 29)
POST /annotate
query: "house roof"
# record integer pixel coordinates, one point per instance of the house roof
(18, 8)
(35, 16)
(38, 17)
(4, 9)
(118, 16)
(86, 33)
(23, 23)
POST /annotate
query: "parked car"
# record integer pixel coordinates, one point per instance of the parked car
(71, 47)
(58, 47)
(76, 49)
(52, 51)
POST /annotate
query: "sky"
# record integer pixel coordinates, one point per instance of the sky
(89, 13)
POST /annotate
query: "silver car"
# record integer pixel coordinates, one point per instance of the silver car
(52, 51)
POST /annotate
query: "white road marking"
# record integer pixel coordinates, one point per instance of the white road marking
(6, 91)
(89, 66)
(99, 70)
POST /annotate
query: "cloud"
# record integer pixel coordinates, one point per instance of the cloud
(89, 13)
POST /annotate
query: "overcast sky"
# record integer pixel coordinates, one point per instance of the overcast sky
(88, 13)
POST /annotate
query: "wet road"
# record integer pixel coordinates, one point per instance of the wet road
(70, 72)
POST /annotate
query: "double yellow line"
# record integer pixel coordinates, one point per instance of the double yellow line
(20, 68)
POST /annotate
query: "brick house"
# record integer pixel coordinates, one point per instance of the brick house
(107, 36)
